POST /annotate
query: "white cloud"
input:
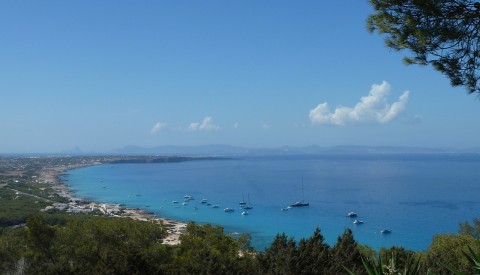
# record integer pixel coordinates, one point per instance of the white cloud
(205, 125)
(372, 108)
(158, 126)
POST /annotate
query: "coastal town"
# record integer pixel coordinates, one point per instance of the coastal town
(37, 180)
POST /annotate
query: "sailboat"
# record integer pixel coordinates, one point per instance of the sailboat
(242, 203)
(302, 202)
(248, 205)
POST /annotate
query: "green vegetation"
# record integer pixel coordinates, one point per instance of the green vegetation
(444, 34)
(87, 244)
(15, 208)
(56, 242)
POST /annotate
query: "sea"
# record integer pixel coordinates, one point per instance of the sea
(416, 196)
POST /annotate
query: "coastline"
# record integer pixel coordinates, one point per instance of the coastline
(51, 176)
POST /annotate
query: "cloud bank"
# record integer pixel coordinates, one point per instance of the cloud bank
(372, 108)
(158, 126)
(205, 125)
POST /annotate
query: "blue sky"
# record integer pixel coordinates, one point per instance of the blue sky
(101, 75)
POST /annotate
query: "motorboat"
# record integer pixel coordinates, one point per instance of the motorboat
(358, 222)
(385, 231)
(351, 214)
(229, 209)
(245, 213)
(299, 203)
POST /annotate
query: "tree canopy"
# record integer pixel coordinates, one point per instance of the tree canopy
(441, 33)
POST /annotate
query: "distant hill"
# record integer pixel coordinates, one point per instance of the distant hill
(229, 150)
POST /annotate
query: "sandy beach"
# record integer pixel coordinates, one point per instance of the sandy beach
(51, 175)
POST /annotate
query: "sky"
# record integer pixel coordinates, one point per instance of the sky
(101, 75)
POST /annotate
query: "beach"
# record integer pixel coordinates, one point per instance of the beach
(51, 175)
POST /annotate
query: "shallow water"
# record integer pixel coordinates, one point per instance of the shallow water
(416, 196)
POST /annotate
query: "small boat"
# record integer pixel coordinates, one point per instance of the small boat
(299, 203)
(174, 201)
(229, 209)
(204, 201)
(184, 203)
(385, 231)
(357, 222)
(245, 213)
(248, 205)
(196, 208)
(351, 214)
(188, 197)
(243, 202)
(215, 206)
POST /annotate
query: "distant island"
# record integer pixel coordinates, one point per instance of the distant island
(229, 150)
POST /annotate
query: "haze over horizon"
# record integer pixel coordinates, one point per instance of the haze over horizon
(101, 75)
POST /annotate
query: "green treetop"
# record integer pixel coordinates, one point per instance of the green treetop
(441, 33)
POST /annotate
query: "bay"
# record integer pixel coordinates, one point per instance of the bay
(414, 195)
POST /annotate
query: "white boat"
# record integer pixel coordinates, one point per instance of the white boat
(184, 203)
(385, 231)
(358, 222)
(215, 206)
(204, 201)
(351, 214)
(188, 197)
(245, 213)
(229, 209)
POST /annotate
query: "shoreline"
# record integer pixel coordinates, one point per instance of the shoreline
(51, 176)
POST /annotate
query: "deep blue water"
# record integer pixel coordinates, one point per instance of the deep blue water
(416, 196)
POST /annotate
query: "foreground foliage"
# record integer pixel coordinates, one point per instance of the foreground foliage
(86, 244)
(444, 34)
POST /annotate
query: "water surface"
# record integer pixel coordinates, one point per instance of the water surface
(416, 196)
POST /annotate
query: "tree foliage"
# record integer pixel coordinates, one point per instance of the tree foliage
(347, 254)
(472, 230)
(103, 245)
(447, 252)
(208, 250)
(441, 33)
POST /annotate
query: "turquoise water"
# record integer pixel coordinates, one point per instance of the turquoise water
(416, 196)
